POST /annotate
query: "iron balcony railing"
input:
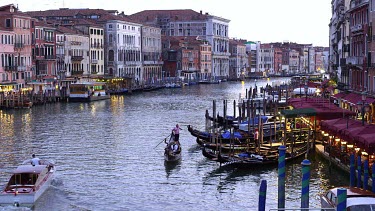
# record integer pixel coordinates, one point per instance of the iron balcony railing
(10, 68)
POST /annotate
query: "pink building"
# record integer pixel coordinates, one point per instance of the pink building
(7, 67)
(44, 53)
(16, 63)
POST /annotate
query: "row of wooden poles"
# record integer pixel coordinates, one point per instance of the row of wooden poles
(27, 99)
(305, 187)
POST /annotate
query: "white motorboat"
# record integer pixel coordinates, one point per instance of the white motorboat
(357, 199)
(27, 184)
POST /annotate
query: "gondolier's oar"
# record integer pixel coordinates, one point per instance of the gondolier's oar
(162, 141)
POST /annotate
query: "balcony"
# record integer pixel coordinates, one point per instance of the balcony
(96, 45)
(356, 28)
(49, 39)
(10, 68)
(94, 61)
(355, 60)
(77, 58)
(110, 63)
(18, 45)
(50, 57)
(21, 68)
(77, 72)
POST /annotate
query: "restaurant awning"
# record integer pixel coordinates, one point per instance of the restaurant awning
(324, 109)
(339, 95)
(298, 112)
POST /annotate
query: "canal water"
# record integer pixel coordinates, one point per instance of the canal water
(108, 157)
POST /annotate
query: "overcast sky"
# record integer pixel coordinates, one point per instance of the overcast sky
(301, 21)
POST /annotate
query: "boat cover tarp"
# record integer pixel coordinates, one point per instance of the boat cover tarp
(255, 120)
(226, 134)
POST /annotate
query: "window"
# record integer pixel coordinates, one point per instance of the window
(7, 23)
(91, 31)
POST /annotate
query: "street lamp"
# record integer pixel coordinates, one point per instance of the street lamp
(363, 107)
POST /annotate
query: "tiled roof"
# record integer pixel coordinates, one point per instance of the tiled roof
(173, 15)
(73, 13)
(67, 30)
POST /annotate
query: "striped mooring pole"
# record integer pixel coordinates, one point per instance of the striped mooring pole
(359, 172)
(352, 171)
(262, 196)
(281, 178)
(341, 199)
(305, 183)
(365, 175)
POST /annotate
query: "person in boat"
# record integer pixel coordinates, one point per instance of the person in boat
(174, 147)
(35, 160)
(176, 132)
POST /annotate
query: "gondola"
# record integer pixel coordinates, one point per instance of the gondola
(220, 120)
(237, 137)
(254, 159)
(172, 150)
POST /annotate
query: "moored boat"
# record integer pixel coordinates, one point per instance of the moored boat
(356, 199)
(88, 91)
(27, 184)
(261, 157)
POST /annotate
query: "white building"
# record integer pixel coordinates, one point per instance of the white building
(76, 50)
(151, 54)
(123, 52)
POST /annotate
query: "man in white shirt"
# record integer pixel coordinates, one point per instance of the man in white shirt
(35, 161)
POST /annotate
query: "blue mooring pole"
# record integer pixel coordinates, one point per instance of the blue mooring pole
(359, 172)
(373, 178)
(365, 175)
(352, 171)
(281, 178)
(262, 196)
(305, 183)
(341, 199)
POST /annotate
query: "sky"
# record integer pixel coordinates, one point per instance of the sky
(300, 21)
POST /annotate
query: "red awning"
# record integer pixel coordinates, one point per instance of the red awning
(339, 95)
(353, 98)
(325, 110)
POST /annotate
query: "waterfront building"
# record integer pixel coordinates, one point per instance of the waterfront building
(357, 60)
(16, 64)
(371, 50)
(278, 59)
(252, 49)
(266, 58)
(181, 57)
(339, 42)
(44, 53)
(76, 52)
(151, 54)
(294, 62)
(205, 63)
(122, 38)
(238, 59)
(123, 52)
(95, 32)
(190, 23)
(7, 67)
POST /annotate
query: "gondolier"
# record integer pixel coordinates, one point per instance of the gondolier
(176, 132)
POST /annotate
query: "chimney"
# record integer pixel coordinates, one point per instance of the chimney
(206, 13)
(200, 12)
